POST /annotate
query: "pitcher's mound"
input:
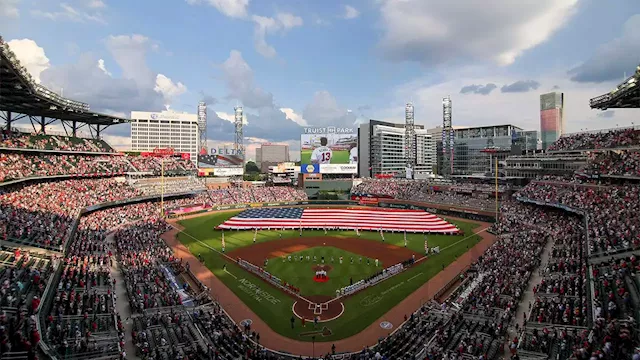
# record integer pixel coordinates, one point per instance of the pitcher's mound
(325, 267)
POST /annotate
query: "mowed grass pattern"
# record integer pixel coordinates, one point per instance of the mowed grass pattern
(300, 273)
(200, 235)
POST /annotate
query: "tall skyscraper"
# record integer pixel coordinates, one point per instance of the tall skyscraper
(551, 118)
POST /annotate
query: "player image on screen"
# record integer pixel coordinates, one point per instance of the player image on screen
(322, 154)
(353, 154)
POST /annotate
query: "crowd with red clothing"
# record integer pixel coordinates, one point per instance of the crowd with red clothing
(613, 211)
(479, 196)
(43, 213)
(22, 140)
(608, 139)
(22, 284)
(614, 163)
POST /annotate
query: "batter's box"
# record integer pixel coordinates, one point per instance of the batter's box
(324, 306)
(312, 306)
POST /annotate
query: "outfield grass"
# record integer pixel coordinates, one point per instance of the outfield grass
(360, 310)
(337, 157)
(300, 273)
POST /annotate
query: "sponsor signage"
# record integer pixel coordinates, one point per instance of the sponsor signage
(227, 171)
(328, 130)
(368, 201)
(310, 168)
(338, 168)
(226, 151)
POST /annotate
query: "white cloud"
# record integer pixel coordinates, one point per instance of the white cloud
(264, 26)
(121, 143)
(350, 12)
(168, 88)
(102, 67)
(239, 79)
(435, 31)
(129, 52)
(9, 8)
(31, 56)
(96, 4)
(229, 8)
(230, 117)
(88, 80)
(291, 115)
(324, 110)
(67, 12)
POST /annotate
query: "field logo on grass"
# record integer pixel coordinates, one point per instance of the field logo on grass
(255, 292)
(370, 300)
(386, 325)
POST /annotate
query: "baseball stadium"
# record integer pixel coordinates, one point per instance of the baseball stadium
(497, 254)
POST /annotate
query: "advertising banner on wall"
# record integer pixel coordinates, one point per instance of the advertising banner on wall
(227, 171)
(327, 147)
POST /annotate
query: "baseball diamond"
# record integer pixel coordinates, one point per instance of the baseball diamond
(402, 269)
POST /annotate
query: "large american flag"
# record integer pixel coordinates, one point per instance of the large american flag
(375, 219)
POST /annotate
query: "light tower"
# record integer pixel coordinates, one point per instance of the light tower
(239, 143)
(447, 133)
(410, 140)
(202, 126)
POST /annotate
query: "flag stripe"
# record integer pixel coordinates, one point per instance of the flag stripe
(346, 219)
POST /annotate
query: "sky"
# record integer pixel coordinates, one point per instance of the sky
(292, 63)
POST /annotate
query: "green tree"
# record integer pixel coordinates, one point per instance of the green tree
(251, 167)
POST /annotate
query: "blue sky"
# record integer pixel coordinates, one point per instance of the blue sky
(291, 63)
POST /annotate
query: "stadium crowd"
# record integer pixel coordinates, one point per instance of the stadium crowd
(615, 163)
(22, 165)
(467, 195)
(613, 211)
(21, 140)
(598, 140)
(23, 279)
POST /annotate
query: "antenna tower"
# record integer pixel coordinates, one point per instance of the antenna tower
(202, 125)
(447, 134)
(410, 140)
(239, 143)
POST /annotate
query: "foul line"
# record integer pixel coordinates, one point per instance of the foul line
(235, 277)
(232, 260)
(417, 261)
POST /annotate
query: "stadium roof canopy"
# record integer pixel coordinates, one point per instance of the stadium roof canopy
(625, 95)
(20, 94)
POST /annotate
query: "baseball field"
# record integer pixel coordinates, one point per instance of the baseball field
(346, 317)
(337, 157)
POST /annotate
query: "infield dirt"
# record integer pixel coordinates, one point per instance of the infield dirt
(372, 249)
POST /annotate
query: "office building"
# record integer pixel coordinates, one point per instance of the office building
(551, 118)
(477, 148)
(381, 150)
(270, 155)
(165, 129)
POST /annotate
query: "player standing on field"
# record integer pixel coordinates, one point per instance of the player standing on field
(322, 154)
(353, 156)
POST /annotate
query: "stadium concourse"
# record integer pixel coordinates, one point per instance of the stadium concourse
(80, 280)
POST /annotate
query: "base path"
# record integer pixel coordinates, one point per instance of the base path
(367, 337)
(387, 253)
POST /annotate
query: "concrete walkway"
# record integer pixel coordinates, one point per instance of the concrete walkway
(528, 297)
(122, 301)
